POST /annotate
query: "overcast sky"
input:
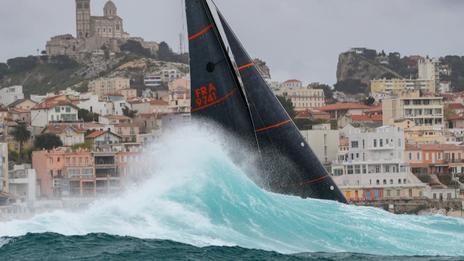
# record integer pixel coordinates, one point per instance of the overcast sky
(298, 38)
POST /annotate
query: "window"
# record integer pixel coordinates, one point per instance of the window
(381, 142)
(398, 193)
(68, 109)
(74, 173)
(350, 169)
(354, 144)
(410, 156)
(357, 169)
(57, 109)
(375, 143)
(391, 181)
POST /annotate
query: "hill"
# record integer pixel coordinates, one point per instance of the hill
(357, 67)
(42, 74)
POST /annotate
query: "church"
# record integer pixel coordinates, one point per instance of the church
(110, 25)
(92, 32)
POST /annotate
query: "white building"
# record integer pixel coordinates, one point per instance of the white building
(324, 143)
(152, 80)
(93, 103)
(371, 166)
(303, 98)
(292, 84)
(23, 183)
(11, 94)
(53, 111)
(428, 69)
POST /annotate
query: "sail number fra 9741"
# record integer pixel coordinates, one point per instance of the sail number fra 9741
(206, 95)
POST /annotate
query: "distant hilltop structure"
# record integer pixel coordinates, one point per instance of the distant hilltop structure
(94, 33)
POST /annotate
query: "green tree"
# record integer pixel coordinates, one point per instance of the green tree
(328, 92)
(87, 116)
(47, 141)
(21, 135)
(351, 86)
(288, 105)
(369, 101)
(129, 113)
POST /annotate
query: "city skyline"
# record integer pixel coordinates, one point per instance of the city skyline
(304, 43)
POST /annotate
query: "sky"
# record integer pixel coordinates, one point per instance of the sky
(297, 38)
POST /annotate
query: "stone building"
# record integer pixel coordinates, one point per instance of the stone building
(92, 32)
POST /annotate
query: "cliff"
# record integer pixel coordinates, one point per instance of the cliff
(354, 66)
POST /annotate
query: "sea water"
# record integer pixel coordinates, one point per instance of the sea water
(195, 201)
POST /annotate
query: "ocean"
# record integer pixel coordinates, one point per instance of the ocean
(196, 203)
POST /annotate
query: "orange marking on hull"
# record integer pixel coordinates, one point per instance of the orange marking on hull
(217, 101)
(273, 126)
(202, 32)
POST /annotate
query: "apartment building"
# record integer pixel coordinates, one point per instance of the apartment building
(370, 165)
(427, 112)
(108, 86)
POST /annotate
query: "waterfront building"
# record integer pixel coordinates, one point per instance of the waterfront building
(4, 168)
(64, 173)
(23, 183)
(324, 142)
(370, 165)
(9, 95)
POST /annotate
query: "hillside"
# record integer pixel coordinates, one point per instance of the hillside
(42, 74)
(357, 67)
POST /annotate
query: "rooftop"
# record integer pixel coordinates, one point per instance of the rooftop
(344, 106)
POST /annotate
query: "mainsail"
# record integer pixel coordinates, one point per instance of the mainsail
(288, 164)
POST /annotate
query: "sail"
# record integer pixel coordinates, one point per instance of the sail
(216, 91)
(291, 165)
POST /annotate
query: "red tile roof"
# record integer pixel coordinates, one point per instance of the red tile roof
(97, 134)
(456, 106)
(344, 106)
(52, 102)
(292, 81)
(60, 128)
(366, 117)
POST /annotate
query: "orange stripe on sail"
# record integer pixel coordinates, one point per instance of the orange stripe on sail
(313, 181)
(202, 32)
(273, 126)
(243, 67)
(229, 94)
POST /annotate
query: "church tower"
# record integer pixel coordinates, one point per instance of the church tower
(110, 9)
(82, 18)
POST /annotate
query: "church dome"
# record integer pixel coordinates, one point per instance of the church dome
(110, 9)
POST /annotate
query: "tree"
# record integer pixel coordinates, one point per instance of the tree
(129, 113)
(21, 135)
(288, 105)
(351, 86)
(87, 116)
(328, 92)
(369, 101)
(47, 141)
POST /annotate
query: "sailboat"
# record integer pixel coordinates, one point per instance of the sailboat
(227, 88)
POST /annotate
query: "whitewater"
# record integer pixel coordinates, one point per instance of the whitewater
(194, 193)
